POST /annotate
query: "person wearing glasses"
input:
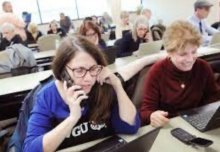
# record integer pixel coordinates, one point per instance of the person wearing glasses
(59, 119)
(202, 9)
(131, 40)
(92, 32)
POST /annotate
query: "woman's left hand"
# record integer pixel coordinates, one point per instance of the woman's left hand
(107, 76)
(148, 37)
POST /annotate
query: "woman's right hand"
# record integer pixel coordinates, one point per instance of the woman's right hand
(159, 118)
(73, 96)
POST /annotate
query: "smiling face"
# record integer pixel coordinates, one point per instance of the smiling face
(184, 58)
(83, 60)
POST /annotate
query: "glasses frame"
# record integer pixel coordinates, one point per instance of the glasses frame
(86, 70)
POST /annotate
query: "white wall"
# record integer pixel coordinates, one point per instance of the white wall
(170, 10)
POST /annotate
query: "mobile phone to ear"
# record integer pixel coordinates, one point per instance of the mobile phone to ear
(66, 77)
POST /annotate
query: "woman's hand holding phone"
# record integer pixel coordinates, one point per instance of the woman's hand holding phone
(148, 37)
(74, 96)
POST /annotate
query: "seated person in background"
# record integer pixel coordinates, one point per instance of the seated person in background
(92, 33)
(86, 19)
(202, 9)
(131, 40)
(9, 17)
(95, 20)
(124, 25)
(179, 82)
(80, 74)
(8, 36)
(54, 29)
(65, 22)
(106, 21)
(33, 33)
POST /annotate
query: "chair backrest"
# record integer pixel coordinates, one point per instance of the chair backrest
(47, 42)
(215, 39)
(157, 31)
(139, 87)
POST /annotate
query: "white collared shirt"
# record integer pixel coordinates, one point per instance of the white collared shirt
(207, 30)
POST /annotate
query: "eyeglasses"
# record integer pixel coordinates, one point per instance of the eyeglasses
(81, 71)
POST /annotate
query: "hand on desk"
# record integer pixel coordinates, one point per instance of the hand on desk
(159, 118)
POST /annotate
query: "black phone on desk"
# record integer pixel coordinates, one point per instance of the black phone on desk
(201, 142)
(66, 77)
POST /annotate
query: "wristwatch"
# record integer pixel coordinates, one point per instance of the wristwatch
(120, 78)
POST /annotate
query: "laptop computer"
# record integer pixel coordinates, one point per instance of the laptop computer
(149, 48)
(117, 144)
(110, 54)
(203, 118)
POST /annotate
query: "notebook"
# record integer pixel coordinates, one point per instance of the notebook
(117, 144)
(110, 53)
(203, 118)
(149, 48)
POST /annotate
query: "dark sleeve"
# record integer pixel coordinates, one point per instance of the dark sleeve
(151, 95)
(18, 39)
(102, 44)
(38, 124)
(49, 32)
(212, 89)
(121, 127)
(216, 25)
(39, 35)
(62, 32)
(68, 21)
(125, 43)
(3, 44)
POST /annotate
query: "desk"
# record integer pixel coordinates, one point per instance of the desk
(22, 83)
(29, 81)
(33, 45)
(44, 54)
(165, 142)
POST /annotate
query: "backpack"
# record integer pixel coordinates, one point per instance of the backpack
(19, 135)
(16, 56)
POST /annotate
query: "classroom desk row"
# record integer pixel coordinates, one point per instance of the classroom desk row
(29, 81)
(165, 142)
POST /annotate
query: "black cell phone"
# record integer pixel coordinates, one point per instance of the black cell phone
(66, 77)
(183, 135)
(201, 142)
(190, 139)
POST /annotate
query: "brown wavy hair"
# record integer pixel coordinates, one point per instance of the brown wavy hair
(89, 25)
(100, 97)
